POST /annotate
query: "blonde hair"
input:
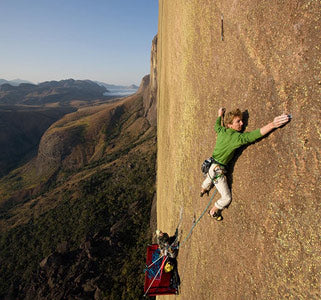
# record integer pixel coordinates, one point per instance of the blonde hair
(229, 117)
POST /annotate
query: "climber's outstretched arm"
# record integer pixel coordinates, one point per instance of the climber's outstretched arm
(277, 122)
(221, 112)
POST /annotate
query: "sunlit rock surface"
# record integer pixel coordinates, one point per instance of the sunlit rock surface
(266, 61)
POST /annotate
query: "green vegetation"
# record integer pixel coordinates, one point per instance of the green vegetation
(21, 130)
(119, 194)
(112, 200)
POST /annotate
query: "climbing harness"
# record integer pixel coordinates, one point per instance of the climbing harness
(206, 165)
(218, 170)
(218, 173)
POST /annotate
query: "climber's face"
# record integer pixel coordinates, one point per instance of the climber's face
(236, 124)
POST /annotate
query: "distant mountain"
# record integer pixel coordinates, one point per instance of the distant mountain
(134, 87)
(61, 92)
(117, 87)
(14, 82)
(119, 90)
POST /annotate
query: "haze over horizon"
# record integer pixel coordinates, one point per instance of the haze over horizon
(107, 41)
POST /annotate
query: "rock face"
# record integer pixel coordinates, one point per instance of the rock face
(265, 61)
(152, 115)
(149, 84)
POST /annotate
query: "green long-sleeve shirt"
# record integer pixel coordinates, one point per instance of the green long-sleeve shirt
(228, 140)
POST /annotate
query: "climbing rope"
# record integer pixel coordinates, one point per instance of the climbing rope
(175, 245)
(165, 257)
(195, 223)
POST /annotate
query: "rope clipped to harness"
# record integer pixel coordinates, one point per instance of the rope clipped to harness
(218, 170)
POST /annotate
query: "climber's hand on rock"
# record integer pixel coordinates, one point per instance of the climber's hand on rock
(221, 112)
(280, 120)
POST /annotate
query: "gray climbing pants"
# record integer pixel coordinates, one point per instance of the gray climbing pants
(216, 175)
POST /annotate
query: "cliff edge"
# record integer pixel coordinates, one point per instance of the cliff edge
(263, 57)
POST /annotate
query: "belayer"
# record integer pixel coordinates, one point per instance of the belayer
(168, 245)
(229, 138)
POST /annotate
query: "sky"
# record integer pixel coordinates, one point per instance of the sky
(100, 40)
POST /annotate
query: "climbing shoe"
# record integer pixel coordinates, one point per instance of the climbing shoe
(217, 215)
(204, 192)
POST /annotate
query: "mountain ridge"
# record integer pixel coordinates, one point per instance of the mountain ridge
(65, 143)
(17, 82)
(115, 86)
(14, 82)
(48, 92)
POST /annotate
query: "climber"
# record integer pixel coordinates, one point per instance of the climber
(229, 138)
